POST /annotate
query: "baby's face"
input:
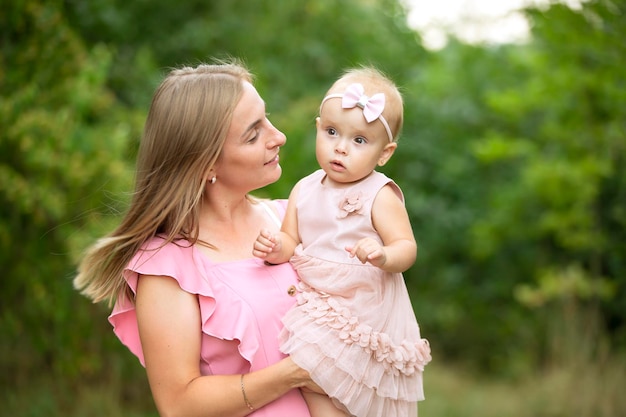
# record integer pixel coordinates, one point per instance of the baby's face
(348, 148)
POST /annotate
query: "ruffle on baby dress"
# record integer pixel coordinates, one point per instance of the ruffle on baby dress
(367, 371)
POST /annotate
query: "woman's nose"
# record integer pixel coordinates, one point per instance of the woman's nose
(277, 137)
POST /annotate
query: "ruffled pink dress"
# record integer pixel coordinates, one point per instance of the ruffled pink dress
(241, 306)
(353, 327)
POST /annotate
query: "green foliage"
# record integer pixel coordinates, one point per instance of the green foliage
(511, 161)
(564, 190)
(517, 169)
(62, 148)
(296, 49)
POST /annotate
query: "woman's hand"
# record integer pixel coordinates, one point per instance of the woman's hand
(313, 387)
(302, 378)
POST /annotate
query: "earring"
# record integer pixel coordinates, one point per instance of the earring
(213, 179)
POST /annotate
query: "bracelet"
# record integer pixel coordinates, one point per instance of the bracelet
(245, 397)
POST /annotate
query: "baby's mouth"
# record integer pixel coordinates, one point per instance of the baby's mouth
(337, 164)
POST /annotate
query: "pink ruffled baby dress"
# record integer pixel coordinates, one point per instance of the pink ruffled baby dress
(353, 327)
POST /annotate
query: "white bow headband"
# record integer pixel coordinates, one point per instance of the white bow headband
(373, 107)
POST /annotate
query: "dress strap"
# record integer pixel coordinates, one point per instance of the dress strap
(271, 213)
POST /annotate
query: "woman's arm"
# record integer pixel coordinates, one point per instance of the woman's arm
(170, 331)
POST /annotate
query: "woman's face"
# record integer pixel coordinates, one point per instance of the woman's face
(249, 159)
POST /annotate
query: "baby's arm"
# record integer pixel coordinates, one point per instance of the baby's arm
(391, 221)
(276, 248)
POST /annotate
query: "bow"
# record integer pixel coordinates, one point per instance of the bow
(372, 106)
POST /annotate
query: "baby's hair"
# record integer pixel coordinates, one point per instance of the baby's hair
(375, 81)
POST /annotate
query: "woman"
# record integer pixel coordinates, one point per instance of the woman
(191, 302)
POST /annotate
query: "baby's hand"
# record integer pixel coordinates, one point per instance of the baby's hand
(368, 250)
(265, 244)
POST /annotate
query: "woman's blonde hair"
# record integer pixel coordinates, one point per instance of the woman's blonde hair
(184, 133)
(375, 81)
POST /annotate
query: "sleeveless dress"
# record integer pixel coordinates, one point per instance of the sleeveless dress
(239, 326)
(353, 327)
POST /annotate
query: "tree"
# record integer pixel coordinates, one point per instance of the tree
(520, 184)
(63, 147)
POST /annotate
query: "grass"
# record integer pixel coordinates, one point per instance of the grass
(583, 376)
(54, 398)
(595, 390)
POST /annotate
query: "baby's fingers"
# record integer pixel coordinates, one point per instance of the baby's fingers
(375, 254)
(266, 236)
(377, 257)
(358, 252)
(264, 244)
(260, 251)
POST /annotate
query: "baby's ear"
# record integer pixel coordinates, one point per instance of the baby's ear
(317, 122)
(386, 153)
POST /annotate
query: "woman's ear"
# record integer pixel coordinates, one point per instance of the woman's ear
(386, 153)
(210, 176)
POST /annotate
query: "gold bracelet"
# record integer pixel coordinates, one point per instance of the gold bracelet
(245, 397)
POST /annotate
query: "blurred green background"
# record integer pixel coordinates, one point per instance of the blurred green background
(512, 161)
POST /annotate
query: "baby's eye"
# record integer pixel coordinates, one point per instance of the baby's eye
(331, 131)
(360, 140)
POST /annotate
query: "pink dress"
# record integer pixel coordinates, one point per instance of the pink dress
(240, 325)
(353, 327)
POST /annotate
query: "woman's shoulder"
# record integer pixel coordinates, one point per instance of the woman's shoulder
(160, 250)
(159, 257)
(275, 207)
(280, 204)
(175, 259)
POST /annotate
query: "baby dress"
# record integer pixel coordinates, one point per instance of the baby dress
(353, 327)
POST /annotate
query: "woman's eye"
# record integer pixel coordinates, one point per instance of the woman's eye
(254, 135)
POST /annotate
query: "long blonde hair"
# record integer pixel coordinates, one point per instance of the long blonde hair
(184, 133)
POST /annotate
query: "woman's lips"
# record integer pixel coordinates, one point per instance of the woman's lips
(273, 160)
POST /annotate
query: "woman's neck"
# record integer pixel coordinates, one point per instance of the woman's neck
(231, 228)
